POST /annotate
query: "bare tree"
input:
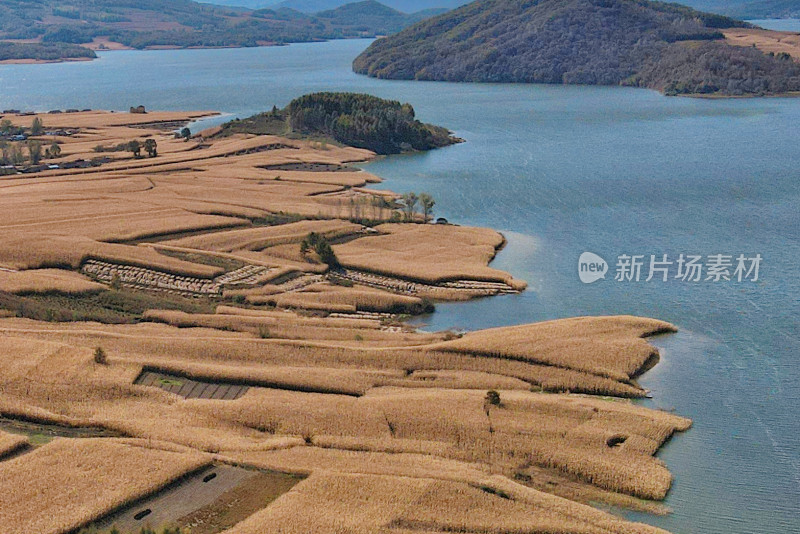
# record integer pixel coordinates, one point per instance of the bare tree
(410, 205)
(427, 203)
(54, 151)
(37, 128)
(34, 152)
(17, 157)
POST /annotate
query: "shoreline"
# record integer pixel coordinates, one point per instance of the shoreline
(119, 47)
(31, 61)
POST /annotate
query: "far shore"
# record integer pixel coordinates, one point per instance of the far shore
(31, 61)
(103, 45)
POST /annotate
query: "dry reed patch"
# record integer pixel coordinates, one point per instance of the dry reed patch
(457, 507)
(551, 431)
(22, 251)
(383, 445)
(545, 377)
(100, 119)
(301, 414)
(428, 428)
(426, 252)
(265, 236)
(352, 382)
(458, 380)
(144, 340)
(289, 254)
(612, 347)
(68, 483)
(314, 459)
(9, 443)
(767, 41)
(564, 433)
(335, 503)
(329, 297)
(47, 281)
(294, 318)
(274, 328)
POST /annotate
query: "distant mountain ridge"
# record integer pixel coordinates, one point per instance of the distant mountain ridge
(316, 6)
(742, 9)
(667, 47)
(372, 16)
(180, 23)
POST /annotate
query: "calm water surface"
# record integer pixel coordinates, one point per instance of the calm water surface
(562, 170)
(781, 25)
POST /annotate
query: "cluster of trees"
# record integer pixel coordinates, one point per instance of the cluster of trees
(412, 202)
(7, 128)
(365, 121)
(604, 42)
(12, 153)
(320, 245)
(43, 51)
(150, 146)
(353, 119)
(716, 68)
(135, 147)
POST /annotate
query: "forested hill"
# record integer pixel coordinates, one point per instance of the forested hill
(373, 17)
(184, 23)
(666, 47)
(406, 6)
(353, 119)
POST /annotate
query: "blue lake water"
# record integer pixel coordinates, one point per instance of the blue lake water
(781, 25)
(563, 170)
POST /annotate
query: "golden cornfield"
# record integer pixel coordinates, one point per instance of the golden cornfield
(194, 258)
